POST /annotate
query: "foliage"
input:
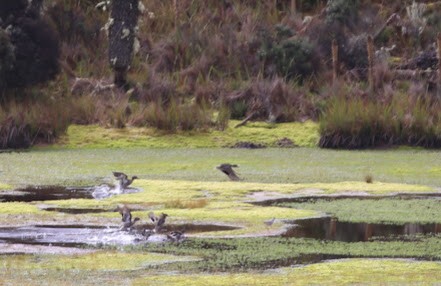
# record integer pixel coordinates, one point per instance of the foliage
(7, 57)
(290, 57)
(36, 50)
(342, 11)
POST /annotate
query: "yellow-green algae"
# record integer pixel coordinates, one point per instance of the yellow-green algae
(342, 272)
(92, 136)
(226, 201)
(5, 186)
(12, 208)
(96, 261)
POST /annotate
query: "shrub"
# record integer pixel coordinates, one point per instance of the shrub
(342, 11)
(288, 57)
(12, 8)
(7, 57)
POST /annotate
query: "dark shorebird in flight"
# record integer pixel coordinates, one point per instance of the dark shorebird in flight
(127, 218)
(158, 221)
(123, 180)
(227, 169)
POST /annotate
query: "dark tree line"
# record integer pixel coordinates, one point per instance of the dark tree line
(29, 46)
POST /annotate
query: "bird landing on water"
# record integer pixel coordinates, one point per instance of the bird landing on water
(126, 217)
(123, 181)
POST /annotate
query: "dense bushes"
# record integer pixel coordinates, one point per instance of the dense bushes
(287, 56)
(34, 44)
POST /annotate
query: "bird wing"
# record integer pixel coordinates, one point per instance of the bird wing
(161, 220)
(126, 215)
(233, 176)
(152, 217)
(119, 175)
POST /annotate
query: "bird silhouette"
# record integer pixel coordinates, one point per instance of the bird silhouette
(270, 222)
(123, 180)
(127, 218)
(176, 236)
(158, 221)
(227, 169)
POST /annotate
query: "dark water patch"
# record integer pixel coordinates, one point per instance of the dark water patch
(50, 193)
(331, 229)
(46, 193)
(313, 199)
(196, 228)
(78, 211)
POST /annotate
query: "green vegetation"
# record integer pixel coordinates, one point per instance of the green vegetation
(244, 254)
(346, 272)
(96, 261)
(271, 165)
(92, 136)
(394, 211)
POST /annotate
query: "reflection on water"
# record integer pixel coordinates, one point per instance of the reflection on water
(331, 229)
(48, 193)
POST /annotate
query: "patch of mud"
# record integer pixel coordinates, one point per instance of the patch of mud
(328, 228)
(248, 145)
(285, 143)
(264, 197)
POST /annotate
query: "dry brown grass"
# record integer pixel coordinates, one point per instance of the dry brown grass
(369, 179)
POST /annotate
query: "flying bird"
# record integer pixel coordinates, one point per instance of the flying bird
(227, 169)
(123, 180)
(127, 218)
(158, 221)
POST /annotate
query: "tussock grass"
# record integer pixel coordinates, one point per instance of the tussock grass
(354, 122)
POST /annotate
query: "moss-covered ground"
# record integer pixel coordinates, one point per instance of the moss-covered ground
(92, 136)
(184, 183)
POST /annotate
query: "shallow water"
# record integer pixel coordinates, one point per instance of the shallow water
(48, 193)
(76, 235)
(331, 229)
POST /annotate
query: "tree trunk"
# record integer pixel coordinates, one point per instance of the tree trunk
(123, 18)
